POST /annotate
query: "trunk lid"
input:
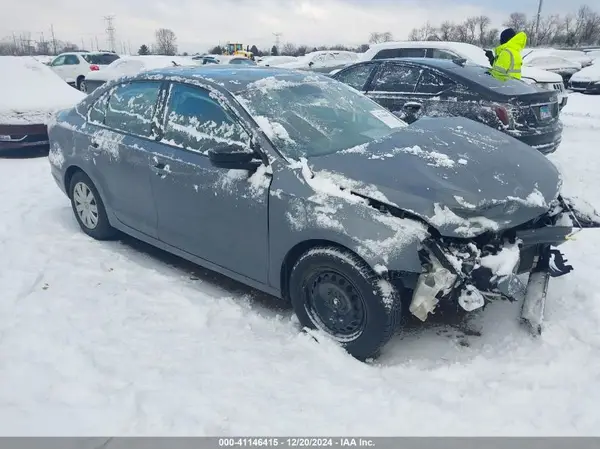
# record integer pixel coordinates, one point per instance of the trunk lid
(535, 110)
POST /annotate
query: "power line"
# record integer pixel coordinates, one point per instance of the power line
(277, 38)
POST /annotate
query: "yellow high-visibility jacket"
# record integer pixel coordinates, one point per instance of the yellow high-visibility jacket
(508, 58)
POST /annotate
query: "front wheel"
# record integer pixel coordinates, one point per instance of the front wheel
(335, 291)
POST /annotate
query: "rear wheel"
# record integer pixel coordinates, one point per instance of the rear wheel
(335, 291)
(80, 83)
(88, 208)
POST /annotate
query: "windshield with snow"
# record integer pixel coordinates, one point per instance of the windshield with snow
(316, 116)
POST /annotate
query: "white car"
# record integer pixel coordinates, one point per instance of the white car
(571, 55)
(321, 61)
(224, 59)
(551, 62)
(267, 61)
(74, 66)
(453, 50)
(130, 65)
(586, 80)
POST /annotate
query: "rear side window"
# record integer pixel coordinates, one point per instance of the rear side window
(482, 76)
(100, 59)
(196, 121)
(389, 53)
(433, 83)
(131, 107)
(442, 54)
(396, 78)
(356, 76)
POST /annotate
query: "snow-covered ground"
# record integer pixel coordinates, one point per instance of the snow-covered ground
(119, 339)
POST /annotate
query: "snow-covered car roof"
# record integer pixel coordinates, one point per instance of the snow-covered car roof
(470, 52)
(267, 60)
(31, 92)
(130, 65)
(549, 61)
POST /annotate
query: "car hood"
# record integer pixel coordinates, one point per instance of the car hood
(461, 177)
(591, 73)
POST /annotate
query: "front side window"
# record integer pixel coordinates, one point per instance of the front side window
(314, 116)
(71, 60)
(60, 60)
(396, 78)
(131, 107)
(196, 121)
(392, 53)
(356, 76)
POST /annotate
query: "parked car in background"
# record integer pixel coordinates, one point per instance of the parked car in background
(571, 55)
(321, 61)
(30, 94)
(416, 87)
(74, 66)
(587, 80)
(298, 185)
(552, 63)
(226, 59)
(268, 61)
(456, 50)
(130, 65)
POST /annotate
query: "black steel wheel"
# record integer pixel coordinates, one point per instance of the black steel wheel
(335, 291)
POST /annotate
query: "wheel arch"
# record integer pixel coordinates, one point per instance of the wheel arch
(69, 173)
(296, 252)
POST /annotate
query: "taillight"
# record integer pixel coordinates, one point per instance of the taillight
(502, 114)
(94, 67)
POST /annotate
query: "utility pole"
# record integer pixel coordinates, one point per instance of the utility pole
(110, 31)
(537, 20)
(82, 44)
(53, 40)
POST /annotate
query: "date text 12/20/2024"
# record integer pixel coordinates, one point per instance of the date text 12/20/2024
(296, 442)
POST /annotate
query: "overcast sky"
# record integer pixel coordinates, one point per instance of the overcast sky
(200, 24)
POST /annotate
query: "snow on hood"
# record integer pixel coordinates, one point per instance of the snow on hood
(461, 177)
(30, 92)
(591, 73)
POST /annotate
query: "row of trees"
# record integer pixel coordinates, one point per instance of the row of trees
(582, 28)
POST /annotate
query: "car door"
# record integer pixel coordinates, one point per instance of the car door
(215, 214)
(58, 66)
(71, 68)
(393, 88)
(120, 138)
(435, 93)
(357, 76)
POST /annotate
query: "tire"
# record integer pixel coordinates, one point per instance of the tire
(83, 86)
(79, 83)
(333, 290)
(88, 208)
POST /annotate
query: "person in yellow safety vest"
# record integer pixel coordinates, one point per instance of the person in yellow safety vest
(508, 61)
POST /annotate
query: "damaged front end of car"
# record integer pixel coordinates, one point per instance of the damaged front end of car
(472, 272)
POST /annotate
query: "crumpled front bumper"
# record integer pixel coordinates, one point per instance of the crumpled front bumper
(474, 272)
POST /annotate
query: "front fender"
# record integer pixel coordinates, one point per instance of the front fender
(298, 214)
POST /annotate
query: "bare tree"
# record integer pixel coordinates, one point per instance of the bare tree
(375, 37)
(166, 42)
(483, 23)
(517, 21)
(288, 49)
(587, 25)
(447, 31)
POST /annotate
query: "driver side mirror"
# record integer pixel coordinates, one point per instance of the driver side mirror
(234, 156)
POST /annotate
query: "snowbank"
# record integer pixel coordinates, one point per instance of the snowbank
(31, 92)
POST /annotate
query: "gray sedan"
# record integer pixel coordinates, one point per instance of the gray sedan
(298, 185)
